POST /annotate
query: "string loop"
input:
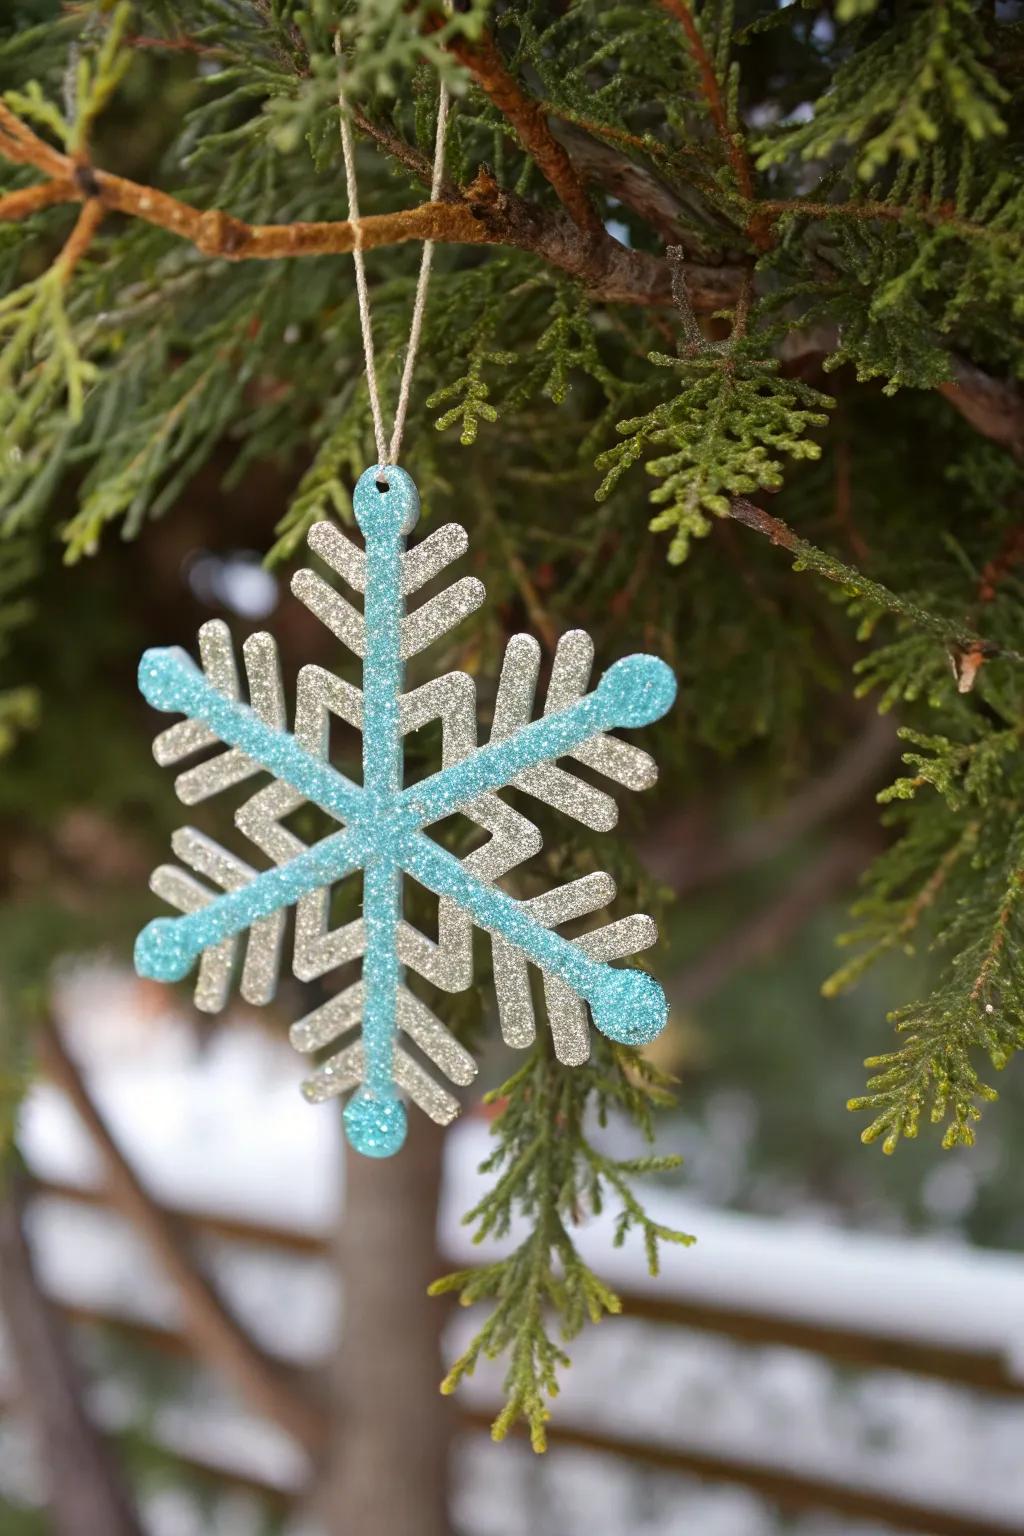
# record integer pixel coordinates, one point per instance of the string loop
(387, 453)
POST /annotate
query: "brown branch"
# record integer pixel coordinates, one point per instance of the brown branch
(929, 893)
(644, 144)
(21, 146)
(527, 117)
(175, 45)
(490, 215)
(219, 234)
(993, 407)
(763, 934)
(757, 231)
(938, 216)
(999, 936)
(844, 495)
(676, 856)
(634, 185)
(80, 238)
(405, 154)
(180, 44)
(85, 1495)
(540, 620)
(216, 1334)
(995, 571)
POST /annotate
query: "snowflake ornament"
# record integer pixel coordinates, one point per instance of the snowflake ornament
(382, 826)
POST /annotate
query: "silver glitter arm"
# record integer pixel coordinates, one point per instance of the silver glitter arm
(424, 624)
(189, 737)
(186, 888)
(570, 676)
(567, 1013)
(442, 613)
(617, 760)
(344, 1070)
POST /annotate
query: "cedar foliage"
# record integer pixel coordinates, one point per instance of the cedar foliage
(686, 218)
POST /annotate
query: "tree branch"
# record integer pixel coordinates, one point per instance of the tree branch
(773, 925)
(22, 204)
(80, 238)
(645, 193)
(937, 216)
(85, 1493)
(404, 153)
(527, 117)
(687, 863)
(216, 1334)
(958, 638)
(486, 215)
(993, 407)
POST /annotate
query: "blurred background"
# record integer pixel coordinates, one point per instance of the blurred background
(841, 1352)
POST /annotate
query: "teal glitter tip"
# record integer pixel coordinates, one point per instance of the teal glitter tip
(636, 691)
(165, 675)
(375, 1125)
(629, 1007)
(160, 954)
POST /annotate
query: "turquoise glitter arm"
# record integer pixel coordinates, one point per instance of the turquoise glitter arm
(382, 826)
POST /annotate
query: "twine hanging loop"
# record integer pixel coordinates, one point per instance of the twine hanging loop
(387, 453)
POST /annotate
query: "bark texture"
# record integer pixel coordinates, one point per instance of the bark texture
(388, 1468)
(85, 1494)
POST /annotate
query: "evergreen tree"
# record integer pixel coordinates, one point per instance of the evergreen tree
(720, 360)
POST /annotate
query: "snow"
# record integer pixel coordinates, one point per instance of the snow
(219, 1125)
(917, 1289)
(223, 1129)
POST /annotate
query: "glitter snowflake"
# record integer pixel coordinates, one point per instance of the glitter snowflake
(382, 826)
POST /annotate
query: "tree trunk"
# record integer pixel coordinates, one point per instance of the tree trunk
(85, 1494)
(388, 1470)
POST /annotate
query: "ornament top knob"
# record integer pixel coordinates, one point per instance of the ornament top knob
(386, 501)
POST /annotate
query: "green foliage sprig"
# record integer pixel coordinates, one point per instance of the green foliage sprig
(551, 1171)
(893, 96)
(727, 429)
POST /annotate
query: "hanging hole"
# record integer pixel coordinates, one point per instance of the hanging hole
(383, 486)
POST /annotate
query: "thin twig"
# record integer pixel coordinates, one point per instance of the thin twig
(695, 337)
(999, 936)
(22, 204)
(404, 153)
(780, 533)
(732, 143)
(844, 492)
(541, 621)
(938, 216)
(80, 238)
